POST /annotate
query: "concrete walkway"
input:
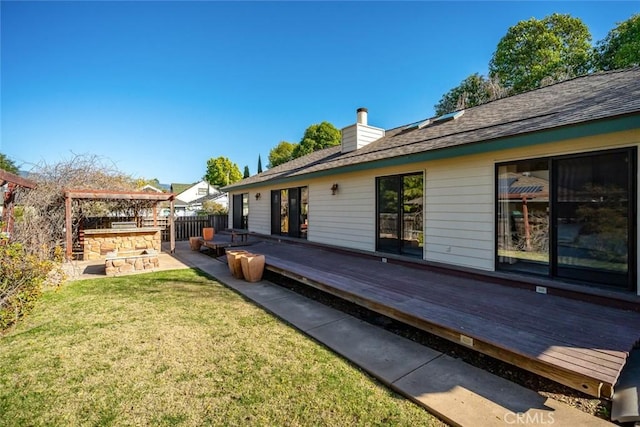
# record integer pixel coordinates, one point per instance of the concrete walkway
(453, 390)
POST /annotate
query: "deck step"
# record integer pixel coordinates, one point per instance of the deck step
(625, 407)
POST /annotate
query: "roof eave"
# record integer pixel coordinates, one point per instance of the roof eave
(578, 130)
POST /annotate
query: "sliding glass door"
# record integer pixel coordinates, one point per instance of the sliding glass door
(388, 214)
(523, 216)
(570, 217)
(593, 217)
(400, 214)
(289, 212)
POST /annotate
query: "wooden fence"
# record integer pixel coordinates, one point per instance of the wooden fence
(186, 226)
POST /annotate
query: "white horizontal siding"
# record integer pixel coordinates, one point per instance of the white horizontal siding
(456, 251)
(347, 218)
(479, 263)
(451, 170)
(349, 138)
(450, 242)
(455, 233)
(463, 190)
(459, 212)
(454, 217)
(459, 206)
(367, 134)
(436, 227)
(260, 211)
(358, 135)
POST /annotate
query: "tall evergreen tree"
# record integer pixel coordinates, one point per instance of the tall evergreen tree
(259, 164)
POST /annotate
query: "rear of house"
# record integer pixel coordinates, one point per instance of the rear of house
(540, 185)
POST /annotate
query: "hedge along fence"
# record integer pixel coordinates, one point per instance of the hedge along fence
(22, 276)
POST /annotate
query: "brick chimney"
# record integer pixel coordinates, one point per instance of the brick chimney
(360, 133)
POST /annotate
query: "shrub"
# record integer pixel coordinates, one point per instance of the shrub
(22, 276)
(211, 207)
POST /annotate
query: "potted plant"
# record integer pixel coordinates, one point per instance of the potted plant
(208, 233)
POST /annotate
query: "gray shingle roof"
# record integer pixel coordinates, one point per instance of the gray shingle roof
(579, 100)
(177, 188)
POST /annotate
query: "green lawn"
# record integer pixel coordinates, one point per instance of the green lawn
(176, 348)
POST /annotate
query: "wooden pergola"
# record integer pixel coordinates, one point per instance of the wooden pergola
(83, 194)
(12, 181)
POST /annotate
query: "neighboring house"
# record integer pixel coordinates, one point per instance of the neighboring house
(150, 189)
(219, 198)
(541, 183)
(189, 197)
(191, 192)
(176, 188)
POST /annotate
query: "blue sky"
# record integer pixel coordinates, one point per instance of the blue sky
(160, 87)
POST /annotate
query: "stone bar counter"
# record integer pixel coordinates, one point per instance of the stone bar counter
(99, 243)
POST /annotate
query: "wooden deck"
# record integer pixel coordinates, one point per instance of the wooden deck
(223, 240)
(578, 344)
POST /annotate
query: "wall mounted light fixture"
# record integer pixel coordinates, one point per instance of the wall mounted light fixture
(257, 196)
(334, 189)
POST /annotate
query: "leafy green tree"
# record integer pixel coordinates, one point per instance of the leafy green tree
(621, 47)
(221, 171)
(259, 164)
(246, 173)
(281, 153)
(474, 90)
(317, 137)
(537, 52)
(7, 164)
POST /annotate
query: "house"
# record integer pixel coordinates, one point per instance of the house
(540, 184)
(191, 192)
(148, 188)
(189, 197)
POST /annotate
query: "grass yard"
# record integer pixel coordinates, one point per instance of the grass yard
(176, 348)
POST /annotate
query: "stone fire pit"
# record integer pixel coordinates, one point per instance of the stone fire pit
(130, 261)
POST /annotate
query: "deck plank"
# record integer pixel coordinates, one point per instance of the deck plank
(529, 313)
(475, 327)
(579, 344)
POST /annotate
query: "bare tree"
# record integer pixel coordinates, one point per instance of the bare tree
(40, 223)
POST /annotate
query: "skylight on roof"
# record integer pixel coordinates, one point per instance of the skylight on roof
(411, 126)
(448, 116)
(419, 124)
(424, 123)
